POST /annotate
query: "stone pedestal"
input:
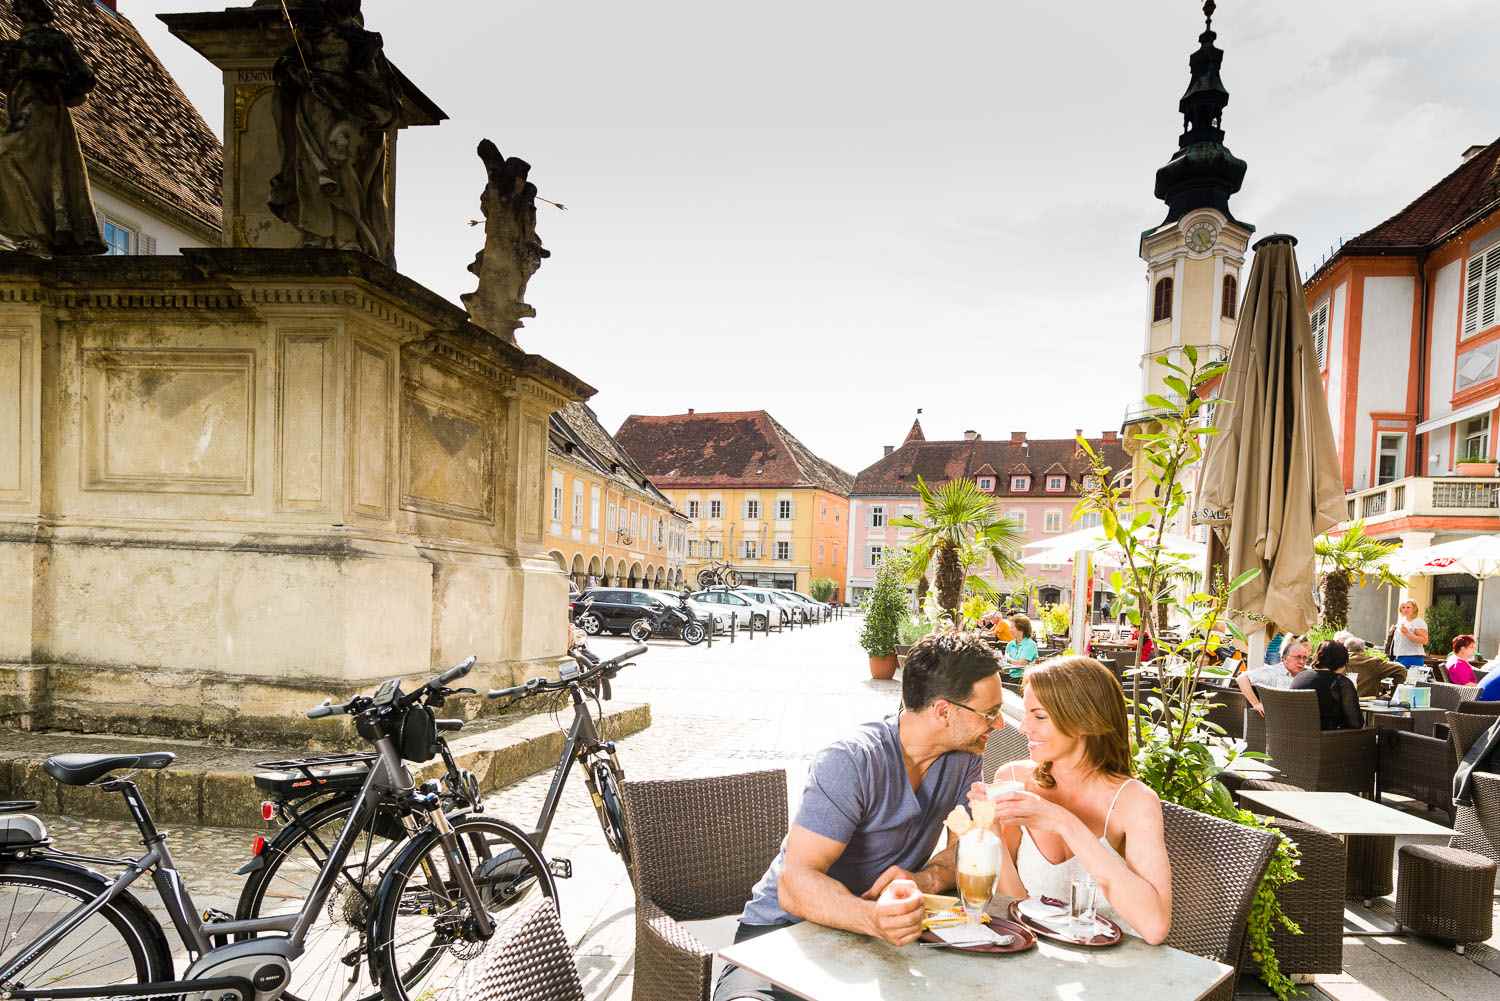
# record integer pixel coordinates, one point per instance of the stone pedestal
(233, 483)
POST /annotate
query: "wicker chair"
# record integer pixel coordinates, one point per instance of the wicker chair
(700, 846)
(1216, 867)
(1446, 696)
(1477, 828)
(1476, 708)
(1317, 760)
(1315, 902)
(1228, 711)
(1003, 746)
(1255, 728)
(1464, 729)
(529, 959)
(1418, 766)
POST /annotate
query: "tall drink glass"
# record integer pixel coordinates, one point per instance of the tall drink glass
(978, 867)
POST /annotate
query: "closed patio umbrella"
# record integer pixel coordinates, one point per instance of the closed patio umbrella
(1271, 481)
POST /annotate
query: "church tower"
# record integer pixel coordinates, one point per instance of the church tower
(1194, 257)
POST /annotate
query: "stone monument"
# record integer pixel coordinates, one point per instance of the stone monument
(512, 251)
(241, 479)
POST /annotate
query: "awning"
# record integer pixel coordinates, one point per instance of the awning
(1461, 414)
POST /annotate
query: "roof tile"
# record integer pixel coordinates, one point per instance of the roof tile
(939, 461)
(748, 448)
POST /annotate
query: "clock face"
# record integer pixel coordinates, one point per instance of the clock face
(1201, 236)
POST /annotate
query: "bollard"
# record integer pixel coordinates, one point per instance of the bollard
(734, 625)
(713, 624)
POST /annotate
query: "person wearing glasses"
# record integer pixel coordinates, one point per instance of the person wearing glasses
(859, 854)
(1294, 656)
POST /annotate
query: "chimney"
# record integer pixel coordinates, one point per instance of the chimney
(691, 411)
(1016, 437)
(971, 436)
(1470, 153)
(111, 4)
(1111, 437)
(889, 449)
(1078, 433)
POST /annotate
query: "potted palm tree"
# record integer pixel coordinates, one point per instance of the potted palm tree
(1351, 558)
(885, 611)
(959, 520)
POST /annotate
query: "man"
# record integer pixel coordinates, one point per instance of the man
(1294, 656)
(873, 808)
(1489, 688)
(1370, 668)
(1409, 644)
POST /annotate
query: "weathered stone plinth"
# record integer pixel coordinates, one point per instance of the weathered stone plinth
(235, 482)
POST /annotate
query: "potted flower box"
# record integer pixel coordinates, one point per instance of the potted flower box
(1476, 463)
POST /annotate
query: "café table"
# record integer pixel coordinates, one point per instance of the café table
(1386, 716)
(818, 963)
(1346, 815)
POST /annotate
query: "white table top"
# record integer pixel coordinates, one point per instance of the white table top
(824, 964)
(1346, 814)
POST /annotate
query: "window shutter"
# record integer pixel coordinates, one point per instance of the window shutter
(147, 245)
(1491, 288)
(1471, 295)
(1320, 334)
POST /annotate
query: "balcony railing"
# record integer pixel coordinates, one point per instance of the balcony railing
(1427, 496)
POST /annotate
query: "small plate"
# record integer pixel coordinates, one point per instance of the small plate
(1024, 939)
(1109, 933)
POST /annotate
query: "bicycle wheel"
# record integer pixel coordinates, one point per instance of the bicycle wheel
(707, 578)
(119, 944)
(612, 811)
(731, 579)
(424, 945)
(336, 941)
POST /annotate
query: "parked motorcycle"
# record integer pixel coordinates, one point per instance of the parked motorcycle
(669, 622)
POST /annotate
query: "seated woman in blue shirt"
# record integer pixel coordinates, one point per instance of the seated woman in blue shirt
(1021, 652)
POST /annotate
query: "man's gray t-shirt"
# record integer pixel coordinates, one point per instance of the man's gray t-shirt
(858, 793)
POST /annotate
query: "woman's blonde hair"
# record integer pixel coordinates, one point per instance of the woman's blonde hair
(1085, 700)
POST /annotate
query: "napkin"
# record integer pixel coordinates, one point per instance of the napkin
(967, 934)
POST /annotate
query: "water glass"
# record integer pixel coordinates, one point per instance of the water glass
(1081, 911)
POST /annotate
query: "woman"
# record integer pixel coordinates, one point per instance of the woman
(1021, 651)
(1460, 670)
(1082, 814)
(1338, 702)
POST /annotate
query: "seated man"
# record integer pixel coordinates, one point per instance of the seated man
(1370, 668)
(873, 808)
(1293, 662)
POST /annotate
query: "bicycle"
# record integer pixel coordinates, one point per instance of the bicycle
(589, 676)
(423, 904)
(718, 575)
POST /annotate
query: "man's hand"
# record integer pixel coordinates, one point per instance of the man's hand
(898, 912)
(1260, 708)
(884, 879)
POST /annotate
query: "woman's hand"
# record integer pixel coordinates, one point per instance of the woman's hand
(1027, 809)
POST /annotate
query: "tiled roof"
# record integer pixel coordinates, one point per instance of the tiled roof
(576, 432)
(1469, 189)
(915, 434)
(749, 448)
(137, 128)
(939, 461)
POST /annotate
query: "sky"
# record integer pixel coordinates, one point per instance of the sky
(843, 211)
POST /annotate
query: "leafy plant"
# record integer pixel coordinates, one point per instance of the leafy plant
(912, 629)
(822, 589)
(1348, 559)
(1475, 452)
(1176, 747)
(973, 610)
(1056, 620)
(959, 522)
(885, 610)
(1445, 620)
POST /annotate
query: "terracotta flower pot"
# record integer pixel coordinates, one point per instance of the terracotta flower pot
(883, 668)
(1486, 468)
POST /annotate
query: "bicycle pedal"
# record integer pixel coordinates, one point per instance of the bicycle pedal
(561, 868)
(212, 914)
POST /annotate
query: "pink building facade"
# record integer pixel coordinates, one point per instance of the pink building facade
(1036, 482)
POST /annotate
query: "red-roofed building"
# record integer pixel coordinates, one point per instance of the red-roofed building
(756, 496)
(1406, 321)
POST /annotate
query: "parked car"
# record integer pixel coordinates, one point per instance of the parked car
(703, 610)
(768, 596)
(611, 609)
(811, 607)
(734, 602)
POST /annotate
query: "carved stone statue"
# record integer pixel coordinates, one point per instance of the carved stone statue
(512, 251)
(337, 102)
(45, 204)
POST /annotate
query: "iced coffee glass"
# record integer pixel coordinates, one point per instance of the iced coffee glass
(978, 867)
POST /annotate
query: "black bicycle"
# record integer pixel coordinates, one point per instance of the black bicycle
(587, 678)
(718, 574)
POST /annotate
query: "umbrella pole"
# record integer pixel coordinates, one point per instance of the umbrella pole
(1478, 612)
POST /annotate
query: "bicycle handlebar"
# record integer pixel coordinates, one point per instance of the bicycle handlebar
(360, 702)
(593, 667)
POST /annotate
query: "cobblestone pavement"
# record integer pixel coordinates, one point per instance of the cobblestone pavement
(767, 703)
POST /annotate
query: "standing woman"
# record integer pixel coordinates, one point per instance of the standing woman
(1082, 814)
(1409, 640)
(1338, 701)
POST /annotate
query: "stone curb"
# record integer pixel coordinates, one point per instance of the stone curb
(214, 798)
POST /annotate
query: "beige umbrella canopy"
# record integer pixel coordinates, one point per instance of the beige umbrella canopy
(1271, 481)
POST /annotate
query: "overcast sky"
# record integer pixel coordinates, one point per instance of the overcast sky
(841, 211)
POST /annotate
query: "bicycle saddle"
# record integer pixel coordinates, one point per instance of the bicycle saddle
(81, 769)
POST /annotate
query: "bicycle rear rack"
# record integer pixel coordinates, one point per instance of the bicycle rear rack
(306, 765)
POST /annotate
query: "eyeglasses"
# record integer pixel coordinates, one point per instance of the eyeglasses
(987, 717)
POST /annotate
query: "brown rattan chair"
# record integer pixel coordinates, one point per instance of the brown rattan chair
(700, 846)
(1317, 760)
(1464, 729)
(1315, 902)
(1418, 766)
(1476, 708)
(1476, 828)
(1228, 710)
(1216, 867)
(1446, 696)
(1254, 728)
(529, 959)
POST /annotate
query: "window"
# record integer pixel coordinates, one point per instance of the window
(1474, 437)
(1091, 520)
(119, 239)
(716, 509)
(752, 509)
(877, 516)
(820, 552)
(1020, 484)
(1319, 321)
(1162, 307)
(1052, 521)
(577, 503)
(783, 510)
(1476, 365)
(692, 511)
(594, 508)
(1019, 517)
(908, 511)
(715, 548)
(1390, 461)
(692, 547)
(750, 551)
(873, 555)
(557, 495)
(1057, 484)
(1230, 298)
(823, 512)
(1481, 290)
(783, 550)
(661, 529)
(835, 552)
(987, 483)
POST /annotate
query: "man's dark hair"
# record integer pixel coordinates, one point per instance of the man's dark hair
(945, 665)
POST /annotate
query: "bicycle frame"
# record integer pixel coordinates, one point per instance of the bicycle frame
(583, 741)
(388, 776)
